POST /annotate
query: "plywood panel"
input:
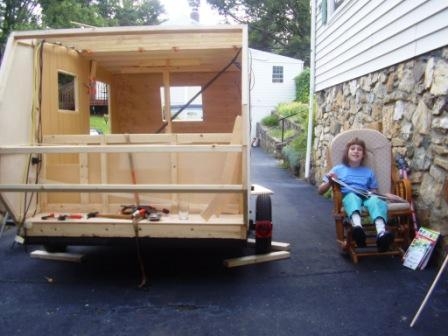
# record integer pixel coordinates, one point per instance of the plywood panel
(221, 102)
(63, 173)
(16, 92)
(54, 121)
(136, 104)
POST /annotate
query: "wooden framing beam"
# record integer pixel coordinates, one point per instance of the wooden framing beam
(256, 259)
(59, 256)
(153, 188)
(132, 148)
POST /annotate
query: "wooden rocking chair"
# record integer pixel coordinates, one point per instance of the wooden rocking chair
(379, 158)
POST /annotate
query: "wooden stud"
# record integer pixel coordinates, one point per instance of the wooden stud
(60, 256)
(84, 175)
(256, 259)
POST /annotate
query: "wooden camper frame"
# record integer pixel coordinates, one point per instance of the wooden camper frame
(69, 171)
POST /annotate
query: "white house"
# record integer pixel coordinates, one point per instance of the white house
(384, 64)
(271, 82)
(356, 37)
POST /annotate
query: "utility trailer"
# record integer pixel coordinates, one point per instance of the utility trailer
(178, 113)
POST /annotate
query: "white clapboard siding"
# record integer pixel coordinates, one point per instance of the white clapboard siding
(364, 36)
(264, 94)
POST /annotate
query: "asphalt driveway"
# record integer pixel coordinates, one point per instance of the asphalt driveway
(318, 291)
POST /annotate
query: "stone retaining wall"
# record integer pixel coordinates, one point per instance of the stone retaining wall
(408, 103)
(267, 142)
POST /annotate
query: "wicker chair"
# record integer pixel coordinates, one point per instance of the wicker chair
(379, 158)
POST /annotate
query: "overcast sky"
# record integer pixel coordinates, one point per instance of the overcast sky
(180, 10)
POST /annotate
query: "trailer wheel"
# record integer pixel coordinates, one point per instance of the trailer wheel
(263, 224)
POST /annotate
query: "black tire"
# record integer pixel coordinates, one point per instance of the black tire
(263, 213)
(263, 208)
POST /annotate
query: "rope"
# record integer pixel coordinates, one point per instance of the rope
(141, 263)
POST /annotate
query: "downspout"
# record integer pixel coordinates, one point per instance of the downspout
(309, 142)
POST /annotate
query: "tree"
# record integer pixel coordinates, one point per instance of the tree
(137, 13)
(194, 4)
(41, 14)
(279, 26)
(17, 15)
(62, 13)
(303, 86)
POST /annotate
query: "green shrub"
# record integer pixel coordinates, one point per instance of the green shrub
(298, 111)
(99, 123)
(276, 132)
(270, 120)
(303, 86)
(294, 153)
(291, 157)
(299, 144)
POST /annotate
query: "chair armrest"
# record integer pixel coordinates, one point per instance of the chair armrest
(403, 188)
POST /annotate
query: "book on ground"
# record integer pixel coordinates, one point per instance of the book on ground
(420, 249)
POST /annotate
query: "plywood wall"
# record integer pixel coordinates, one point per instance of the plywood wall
(63, 167)
(136, 102)
(54, 121)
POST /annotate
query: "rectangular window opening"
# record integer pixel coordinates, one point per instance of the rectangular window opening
(179, 97)
(99, 108)
(67, 91)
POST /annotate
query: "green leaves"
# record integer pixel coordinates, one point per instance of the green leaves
(303, 86)
(42, 14)
(279, 26)
(61, 14)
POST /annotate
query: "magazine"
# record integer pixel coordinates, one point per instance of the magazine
(420, 250)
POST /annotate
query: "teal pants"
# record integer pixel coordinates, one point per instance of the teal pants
(374, 205)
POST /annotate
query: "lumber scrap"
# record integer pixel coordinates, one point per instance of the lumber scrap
(256, 259)
(275, 246)
(59, 256)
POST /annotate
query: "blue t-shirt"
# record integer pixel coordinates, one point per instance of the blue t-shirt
(361, 177)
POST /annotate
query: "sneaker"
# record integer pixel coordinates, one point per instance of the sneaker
(359, 236)
(384, 240)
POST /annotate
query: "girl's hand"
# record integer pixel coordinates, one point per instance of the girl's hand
(326, 185)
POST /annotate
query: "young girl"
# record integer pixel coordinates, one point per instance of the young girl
(357, 177)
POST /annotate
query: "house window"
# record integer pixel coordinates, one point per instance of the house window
(277, 74)
(328, 7)
(337, 3)
(179, 97)
(66, 91)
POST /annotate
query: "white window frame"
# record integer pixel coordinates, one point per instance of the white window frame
(278, 76)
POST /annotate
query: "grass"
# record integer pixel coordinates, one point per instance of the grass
(99, 122)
